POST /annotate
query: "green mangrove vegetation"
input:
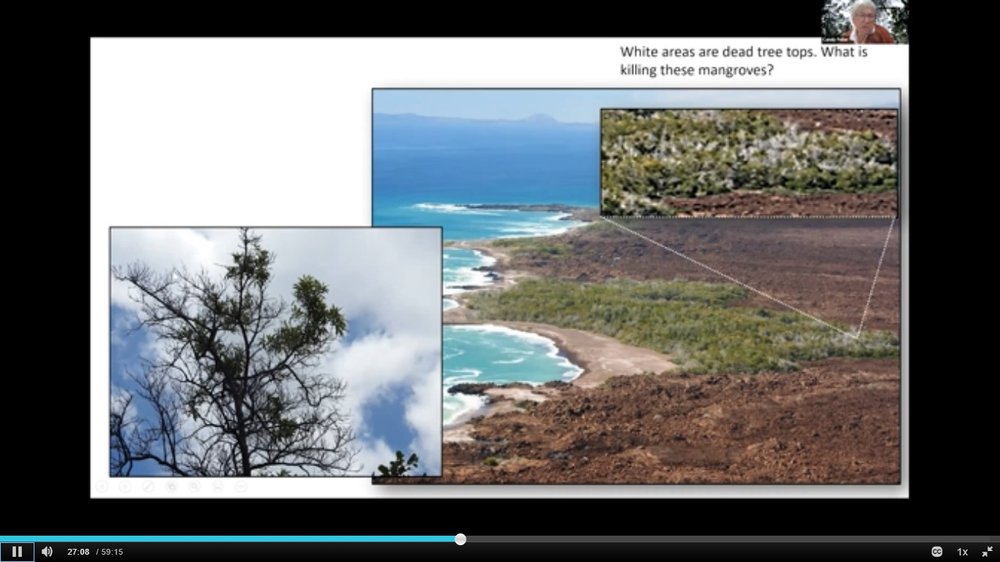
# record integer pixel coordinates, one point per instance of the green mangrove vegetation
(700, 324)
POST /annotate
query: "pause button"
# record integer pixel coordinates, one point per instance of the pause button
(17, 551)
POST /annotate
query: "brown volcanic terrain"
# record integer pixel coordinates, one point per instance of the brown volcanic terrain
(755, 203)
(833, 421)
(882, 121)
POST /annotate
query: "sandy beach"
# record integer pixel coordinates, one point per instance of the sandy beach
(599, 356)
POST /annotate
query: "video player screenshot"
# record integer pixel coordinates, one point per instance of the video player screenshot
(647, 294)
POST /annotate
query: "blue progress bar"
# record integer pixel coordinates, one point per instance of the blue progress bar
(228, 538)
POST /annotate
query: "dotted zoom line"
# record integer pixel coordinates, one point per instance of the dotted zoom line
(856, 335)
(871, 292)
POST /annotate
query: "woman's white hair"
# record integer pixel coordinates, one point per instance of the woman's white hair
(862, 4)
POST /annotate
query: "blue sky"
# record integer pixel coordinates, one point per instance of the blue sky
(390, 357)
(582, 106)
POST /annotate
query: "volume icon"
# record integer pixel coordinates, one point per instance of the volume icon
(47, 551)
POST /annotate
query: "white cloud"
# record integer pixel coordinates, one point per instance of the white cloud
(376, 453)
(423, 413)
(390, 277)
(377, 362)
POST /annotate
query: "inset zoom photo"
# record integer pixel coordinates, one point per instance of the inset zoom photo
(275, 352)
(749, 162)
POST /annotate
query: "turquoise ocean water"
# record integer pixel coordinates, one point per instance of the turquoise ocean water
(432, 172)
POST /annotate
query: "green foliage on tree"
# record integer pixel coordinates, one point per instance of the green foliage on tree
(835, 20)
(400, 466)
(234, 389)
(900, 26)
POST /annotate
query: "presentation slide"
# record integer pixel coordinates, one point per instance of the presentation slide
(643, 267)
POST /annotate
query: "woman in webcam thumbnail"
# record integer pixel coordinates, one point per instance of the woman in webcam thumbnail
(864, 30)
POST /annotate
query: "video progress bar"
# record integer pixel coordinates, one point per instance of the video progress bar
(486, 547)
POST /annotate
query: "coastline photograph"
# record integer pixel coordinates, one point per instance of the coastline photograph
(581, 349)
